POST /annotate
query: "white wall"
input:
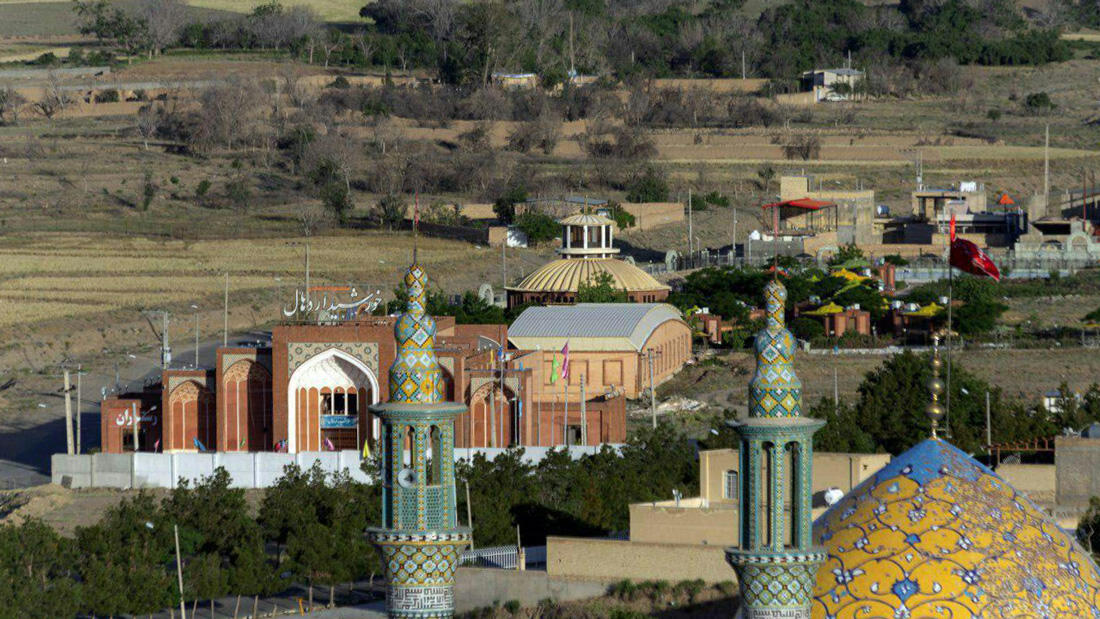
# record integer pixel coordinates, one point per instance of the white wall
(247, 470)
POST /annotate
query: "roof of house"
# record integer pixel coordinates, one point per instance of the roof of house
(840, 71)
(590, 326)
(586, 219)
(808, 204)
(566, 275)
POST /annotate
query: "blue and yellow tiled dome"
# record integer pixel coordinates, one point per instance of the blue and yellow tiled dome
(937, 534)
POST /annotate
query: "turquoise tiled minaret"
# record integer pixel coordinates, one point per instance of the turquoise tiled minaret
(419, 539)
(776, 562)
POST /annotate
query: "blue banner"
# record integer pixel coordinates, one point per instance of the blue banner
(329, 422)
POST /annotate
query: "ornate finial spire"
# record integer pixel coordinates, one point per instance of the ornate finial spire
(934, 410)
(775, 390)
(415, 376)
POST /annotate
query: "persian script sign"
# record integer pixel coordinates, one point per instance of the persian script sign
(126, 419)
(329, 422)
(323, 303)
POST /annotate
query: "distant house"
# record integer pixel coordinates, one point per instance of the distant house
(832, 84)
(517, 81)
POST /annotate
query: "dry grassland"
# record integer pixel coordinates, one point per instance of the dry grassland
(47, 277)
(328, 10)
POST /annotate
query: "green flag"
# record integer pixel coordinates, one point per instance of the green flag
(555, 365)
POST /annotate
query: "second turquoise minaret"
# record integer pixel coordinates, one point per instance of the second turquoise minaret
(420, 540)
(776, 561)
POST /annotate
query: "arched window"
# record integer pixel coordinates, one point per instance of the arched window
(410, 447)
(435, 457)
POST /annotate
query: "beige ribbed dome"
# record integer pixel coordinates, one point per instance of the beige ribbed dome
(586, 219)
(566, 275)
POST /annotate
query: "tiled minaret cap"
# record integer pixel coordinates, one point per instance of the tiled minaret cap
(415, 377)
(775, 390)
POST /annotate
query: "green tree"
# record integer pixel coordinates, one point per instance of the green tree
(37, 569)
(893, 397)
(127, 561)
(505, 205)
(538, 226)
(649, 186)
(981, 307)
(113, 25)
(223, 544)
(388, 212)
(601, 289)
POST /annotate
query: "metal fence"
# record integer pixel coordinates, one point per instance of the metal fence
(503, 557)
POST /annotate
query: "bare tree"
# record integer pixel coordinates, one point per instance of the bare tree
(148, 121)
(164, 19)
(230, 114)
(332, 42)
(312, 217)
(10, 104)
(53, 100)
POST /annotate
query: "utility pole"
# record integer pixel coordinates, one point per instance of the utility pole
(179, 570)
(135, 413)
(989, 428)
(504, 259)
(584, 415)
(307, 268)
(165, 350)
(79, 407)
(225, 313)
(742, 64)
(733, 239)
(691, 233)
(836, 391)
(1046, 169)
(196, 340)
(652, 389)
(469, 514)
(68, 415)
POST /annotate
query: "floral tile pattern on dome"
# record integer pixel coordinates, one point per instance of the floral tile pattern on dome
(937, 534)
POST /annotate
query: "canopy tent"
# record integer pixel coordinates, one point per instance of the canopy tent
(806, 204)
(808, 214)
(849, 275)
(928, 311)
(825, 310)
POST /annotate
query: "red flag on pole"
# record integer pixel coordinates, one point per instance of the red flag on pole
(966, 256)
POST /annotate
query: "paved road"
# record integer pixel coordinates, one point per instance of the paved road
(26, 447)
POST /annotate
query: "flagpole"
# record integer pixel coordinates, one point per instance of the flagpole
(950, 304)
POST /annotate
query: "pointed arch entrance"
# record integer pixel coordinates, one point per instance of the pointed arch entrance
(330, 388)
(490, 419)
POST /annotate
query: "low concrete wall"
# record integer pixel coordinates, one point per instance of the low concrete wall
(649, 215)
(160, 470)
(1077, 460)
(610, 560)
(1038, 481)
(655, 523)
(480, 587)
(247, 470)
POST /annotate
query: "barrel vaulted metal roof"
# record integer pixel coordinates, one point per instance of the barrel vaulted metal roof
(590, 326)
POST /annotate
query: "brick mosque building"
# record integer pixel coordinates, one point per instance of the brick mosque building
(310, 388)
